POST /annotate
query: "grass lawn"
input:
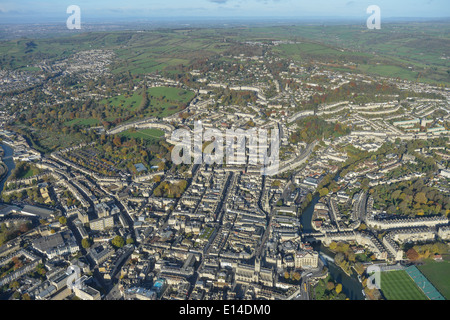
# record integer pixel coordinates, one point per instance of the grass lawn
(83, 122)
(398, 285)
(172, 94)
(129, 102)
(438, 273)
(31, 172)
(163, 101)
(146, 134)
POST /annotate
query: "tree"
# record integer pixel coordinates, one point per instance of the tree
(26, 296)
(330, 285)
(323, 192)
(14, 285)
(85, 243)
(412, 254)
(62, 220)
(17, 295)
(339, 258)
(333, 245)
(421, 198)
(118, 242)
(40, 268)
(351, 256)
(338, 288)
(117, 141)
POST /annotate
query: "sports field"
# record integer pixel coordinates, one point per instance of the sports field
(146, 134)
(439, 275)
(398, 285)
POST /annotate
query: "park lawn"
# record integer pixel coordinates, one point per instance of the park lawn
(32, 171)
(29, 173)
(438, 273)
(163, 101)
(172, 94)
(146, 134)
(398, 285)
(131, 103)
(389, 71)
(50, 141)
(83, 122)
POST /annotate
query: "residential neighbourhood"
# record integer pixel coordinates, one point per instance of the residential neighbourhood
(362, 179)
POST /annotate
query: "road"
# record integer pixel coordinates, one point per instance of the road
(300, 159)
(231, 180)
(360, 207)
(305, 284)
(220, 211)
(334, 212)
(97, 276)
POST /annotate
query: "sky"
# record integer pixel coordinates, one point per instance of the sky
(55, 10)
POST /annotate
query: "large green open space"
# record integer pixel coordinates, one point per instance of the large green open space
(398, 285)
(409, 51)
(146, 134)
(163, 101)
(438, 273)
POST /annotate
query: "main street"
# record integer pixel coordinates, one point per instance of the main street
(360, 207)
(302, 158)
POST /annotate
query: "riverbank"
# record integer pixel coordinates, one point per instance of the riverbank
(351, 286)
(3, 170)
(9, 164)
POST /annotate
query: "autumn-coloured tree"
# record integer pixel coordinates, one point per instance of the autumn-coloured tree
(412, 254)
(420, 198)
(330, 285)
(117, 141)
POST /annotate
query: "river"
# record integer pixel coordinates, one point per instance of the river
(350, 284)
(9, 163)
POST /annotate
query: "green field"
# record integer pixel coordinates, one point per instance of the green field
(398, 285)
(163, 101)
(83, 122)
(31, 172)
(410, 51)
(438, 273)
(146, 134)
(172, 94)
(131, 103)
